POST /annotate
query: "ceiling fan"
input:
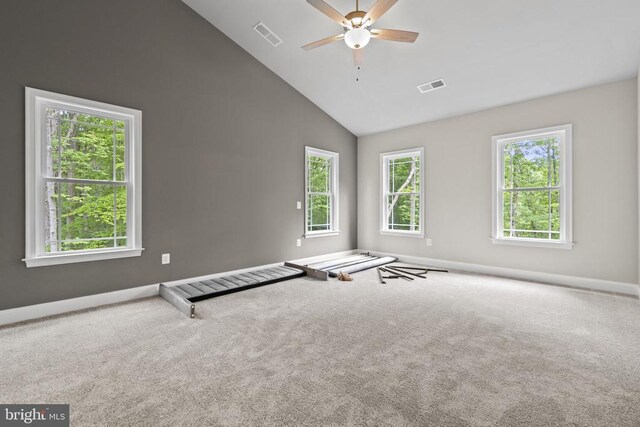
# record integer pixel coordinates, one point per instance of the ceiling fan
(357, 27)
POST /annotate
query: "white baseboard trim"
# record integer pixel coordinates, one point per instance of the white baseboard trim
(555, 279)
(20, 314)
(37, 311)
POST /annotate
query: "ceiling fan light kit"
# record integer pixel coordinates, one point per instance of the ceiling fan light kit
(357, 27)
(357, 38)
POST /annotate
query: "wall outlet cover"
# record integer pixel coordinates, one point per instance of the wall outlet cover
(166, 258)
(298, 242)
(298, 205)
(429, 242)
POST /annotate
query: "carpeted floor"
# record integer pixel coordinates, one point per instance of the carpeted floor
(451, 350)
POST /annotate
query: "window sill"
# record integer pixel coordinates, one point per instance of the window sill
(71, 258)
(533, 243)
(311, 235)
(418, 234)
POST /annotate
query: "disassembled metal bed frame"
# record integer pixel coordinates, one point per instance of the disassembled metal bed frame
(184, 296)
(404, 272)
(350, 264)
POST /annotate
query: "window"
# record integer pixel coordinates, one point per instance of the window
(321, 192)
(402, 194)
(83, 177)
(532, 188)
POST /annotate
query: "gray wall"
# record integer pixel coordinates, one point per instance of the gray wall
(223, 142)
(458, 185)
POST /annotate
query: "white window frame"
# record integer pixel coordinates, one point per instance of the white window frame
(36, 101)
(384, 184)
(334, 186)
(564, 133)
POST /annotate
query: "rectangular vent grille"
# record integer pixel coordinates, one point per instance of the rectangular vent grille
(428, 87)
(267, 34)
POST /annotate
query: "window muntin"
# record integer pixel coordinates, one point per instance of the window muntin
(402, 199)
(83, 177)
(321, 187)
(533, 187)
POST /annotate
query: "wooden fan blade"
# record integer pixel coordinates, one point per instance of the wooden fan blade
(330, 12)
(378, 9)
(323, 42)
(358, 56)
(395, 35)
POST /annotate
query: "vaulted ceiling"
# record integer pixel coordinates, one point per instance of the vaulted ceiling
(489, 53)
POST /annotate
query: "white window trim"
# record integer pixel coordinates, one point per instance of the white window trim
(565, 133)
(384, 157)
(335, 167)
(35, 99)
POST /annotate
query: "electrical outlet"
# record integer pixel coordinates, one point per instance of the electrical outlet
(298, 205)
(166, 258)
(298, 242)
(429, 242)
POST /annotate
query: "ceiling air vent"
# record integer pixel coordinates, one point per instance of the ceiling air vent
(268, 35)
(428, 87)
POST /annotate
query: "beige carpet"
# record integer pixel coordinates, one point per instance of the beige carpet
(450, 350)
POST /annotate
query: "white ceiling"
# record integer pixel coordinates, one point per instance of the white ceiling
(489, 52)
